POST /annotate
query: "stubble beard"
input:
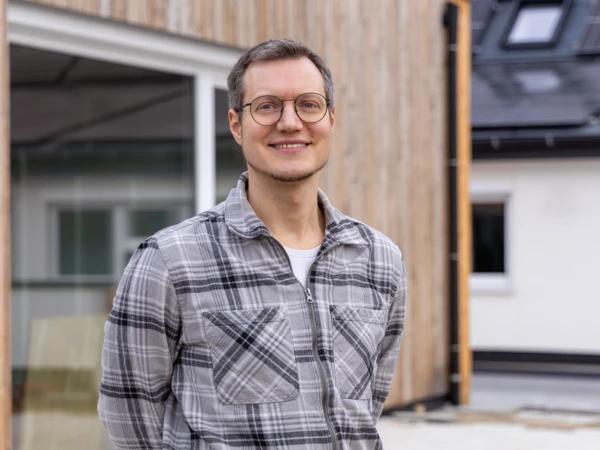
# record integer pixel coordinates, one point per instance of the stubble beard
(282, 178)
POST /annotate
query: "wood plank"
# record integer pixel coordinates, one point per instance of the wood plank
(420, 205)
(118, 9)
(5, 365)
(278, 7)
(207, 20)
(250, 24)
(94, 7)
(231, 18)
(323, 48)
(157, 14)
(339, 176)
(104, 7)
(219, 31)
(440, 241)
(137, 13)
(406, 26)
(262, 25)
(464, 202)
(191, 17)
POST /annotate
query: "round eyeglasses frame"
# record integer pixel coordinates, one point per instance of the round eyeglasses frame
(240, 108)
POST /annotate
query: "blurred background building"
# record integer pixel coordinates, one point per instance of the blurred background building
(535, 298)
(118, 128)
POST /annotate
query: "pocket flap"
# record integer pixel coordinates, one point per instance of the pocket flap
(358, 314)
(240, 316)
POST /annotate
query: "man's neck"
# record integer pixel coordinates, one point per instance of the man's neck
(290, 211)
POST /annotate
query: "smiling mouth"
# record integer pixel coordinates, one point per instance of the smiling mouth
(283, 146)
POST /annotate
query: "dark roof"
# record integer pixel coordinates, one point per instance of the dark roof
(481, 14)
(589, 43)
(542, 97)
(551, 93)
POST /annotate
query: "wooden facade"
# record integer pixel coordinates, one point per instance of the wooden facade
(389, 164)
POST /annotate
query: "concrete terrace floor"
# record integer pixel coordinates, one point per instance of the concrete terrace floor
(507, 412)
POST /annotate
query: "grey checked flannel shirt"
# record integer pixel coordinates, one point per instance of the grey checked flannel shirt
(213, 343)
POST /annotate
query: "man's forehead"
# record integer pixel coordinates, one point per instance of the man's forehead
(281, 77)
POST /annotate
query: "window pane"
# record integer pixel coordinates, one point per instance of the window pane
(230, 159)
(85, 242)
(145, 223)
(488, 238)
(535, 23)
(90, 142)
(128, 256)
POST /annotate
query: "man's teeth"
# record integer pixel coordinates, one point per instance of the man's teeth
(289, 145)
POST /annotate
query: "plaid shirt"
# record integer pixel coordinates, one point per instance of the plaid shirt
(213, 343)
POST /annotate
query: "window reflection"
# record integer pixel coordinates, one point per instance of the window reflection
(230, 159)
(101, 158)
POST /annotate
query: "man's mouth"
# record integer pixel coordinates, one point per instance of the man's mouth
(282, 146)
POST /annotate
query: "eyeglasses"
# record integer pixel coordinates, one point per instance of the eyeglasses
(267, 110)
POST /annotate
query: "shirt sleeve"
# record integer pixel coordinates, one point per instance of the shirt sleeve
(390, 347)
(141, 339)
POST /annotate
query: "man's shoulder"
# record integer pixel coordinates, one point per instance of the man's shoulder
(376, 239)
(186, 230)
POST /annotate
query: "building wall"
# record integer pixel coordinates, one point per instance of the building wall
(388, 167)
(553, 245)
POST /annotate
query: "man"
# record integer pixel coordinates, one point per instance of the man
(271, 320)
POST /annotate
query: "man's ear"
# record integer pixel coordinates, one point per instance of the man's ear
(332, 117)
(235, 126)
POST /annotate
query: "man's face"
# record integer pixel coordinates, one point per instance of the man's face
(262, 145)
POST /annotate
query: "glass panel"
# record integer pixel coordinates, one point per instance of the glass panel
(488, 238)
(85, 240)
(230, 159)
(148, 222)
(128, 256)
(535, 23)
(101, 157)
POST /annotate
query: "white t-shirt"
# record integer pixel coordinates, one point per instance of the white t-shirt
(301, 261)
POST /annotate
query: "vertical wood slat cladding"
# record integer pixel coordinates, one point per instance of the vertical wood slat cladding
(388, 164)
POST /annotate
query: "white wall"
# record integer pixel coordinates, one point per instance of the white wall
(553, 228)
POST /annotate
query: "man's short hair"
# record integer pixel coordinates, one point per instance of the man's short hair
(274, 50)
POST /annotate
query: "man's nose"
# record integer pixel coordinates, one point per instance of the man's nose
(289, 119)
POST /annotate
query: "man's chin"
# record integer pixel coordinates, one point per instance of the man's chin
(293, 177)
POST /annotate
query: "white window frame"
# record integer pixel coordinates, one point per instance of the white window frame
(123, 242)
(66, 32)
(489, 283)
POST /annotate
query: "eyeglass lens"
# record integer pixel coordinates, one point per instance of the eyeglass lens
(267, 109)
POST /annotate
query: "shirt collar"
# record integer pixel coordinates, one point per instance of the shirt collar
(240, 217)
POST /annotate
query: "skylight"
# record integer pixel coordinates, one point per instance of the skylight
(535, 23)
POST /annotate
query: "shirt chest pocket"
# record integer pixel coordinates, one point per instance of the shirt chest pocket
(252, 356)
(357, 336)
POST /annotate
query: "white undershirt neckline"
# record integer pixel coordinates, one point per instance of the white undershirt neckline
(301, 261)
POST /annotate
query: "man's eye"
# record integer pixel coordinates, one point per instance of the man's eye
(267, 107)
